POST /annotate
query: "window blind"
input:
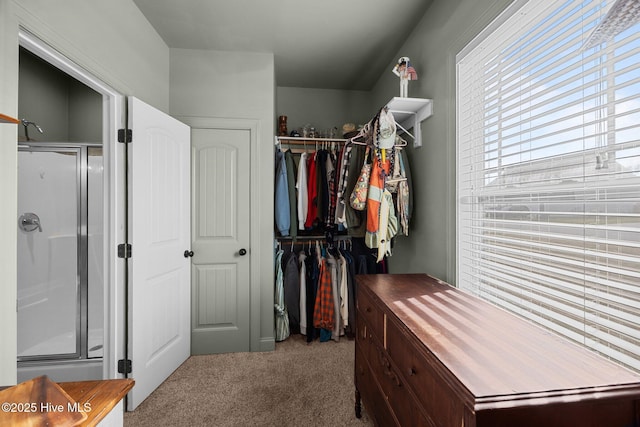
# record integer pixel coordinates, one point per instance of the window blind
(548, 174)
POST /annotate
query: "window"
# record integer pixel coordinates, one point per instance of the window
(548, 182)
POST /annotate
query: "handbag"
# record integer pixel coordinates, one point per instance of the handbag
(358, 199)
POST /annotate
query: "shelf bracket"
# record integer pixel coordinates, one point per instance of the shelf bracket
(409, 113)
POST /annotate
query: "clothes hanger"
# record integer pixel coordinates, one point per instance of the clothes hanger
(362, 133)
(394, 180)
(401, 142)
(353, 140)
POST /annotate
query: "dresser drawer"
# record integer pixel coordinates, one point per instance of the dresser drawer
(438, 401)
(371, 313)
(393, 386)
(364, 338)
(373, 399)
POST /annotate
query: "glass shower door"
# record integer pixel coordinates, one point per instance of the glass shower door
(50, 217)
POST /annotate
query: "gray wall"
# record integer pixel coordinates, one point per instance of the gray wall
(207, 83)
(114, 42)
(445, 29)
(65, 109)
(323, 108)
(85, 113)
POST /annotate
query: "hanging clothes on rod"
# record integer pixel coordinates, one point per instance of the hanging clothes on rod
(302, 188)
(291, 192)
(282, 317)
(315, 287)
(314, 192)
(311, 186)
(281, 202)
(389, 184)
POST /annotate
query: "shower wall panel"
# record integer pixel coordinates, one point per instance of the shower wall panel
(48, 254)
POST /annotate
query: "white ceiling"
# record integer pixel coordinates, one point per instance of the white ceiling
(330, 44)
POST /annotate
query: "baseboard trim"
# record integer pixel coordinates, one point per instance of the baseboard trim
(266, 344)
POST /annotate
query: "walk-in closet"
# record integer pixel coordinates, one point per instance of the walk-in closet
(339, 204)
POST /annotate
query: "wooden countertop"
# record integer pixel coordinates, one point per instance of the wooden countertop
(8, 119)
(495, 354)
(84, 403)
(100, 395)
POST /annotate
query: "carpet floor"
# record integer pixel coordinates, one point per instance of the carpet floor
(298, 384)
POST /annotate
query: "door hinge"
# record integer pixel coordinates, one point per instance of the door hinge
(124, 366)
(125, 135)
(124, 250)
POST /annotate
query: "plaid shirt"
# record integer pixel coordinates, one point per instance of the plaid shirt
(324, 310)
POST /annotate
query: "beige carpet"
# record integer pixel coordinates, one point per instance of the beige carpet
(295, 385)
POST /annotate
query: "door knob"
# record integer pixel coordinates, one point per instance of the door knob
(242, 252)
(188, 253)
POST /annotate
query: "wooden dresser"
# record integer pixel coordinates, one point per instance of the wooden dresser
(428, 354)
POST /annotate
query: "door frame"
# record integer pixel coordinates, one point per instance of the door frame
(253, 126)
(114, 161)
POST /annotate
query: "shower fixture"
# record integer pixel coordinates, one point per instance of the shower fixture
(29, 222)
(26, 124)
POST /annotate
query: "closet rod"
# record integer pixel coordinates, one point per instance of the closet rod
(310, 242)
(302, 242)
(299, 140)
(314, 237)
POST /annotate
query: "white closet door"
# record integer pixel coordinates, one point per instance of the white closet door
(159, 227)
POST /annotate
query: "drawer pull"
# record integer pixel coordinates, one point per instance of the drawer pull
(368, 310)
(412, 372)
(388, 370)
(393, 377)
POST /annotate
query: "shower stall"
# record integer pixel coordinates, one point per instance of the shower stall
(60, 260)
(60, 225)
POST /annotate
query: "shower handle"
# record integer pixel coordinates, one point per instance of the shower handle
(29, 222)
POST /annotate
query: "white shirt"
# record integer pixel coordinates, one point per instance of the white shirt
(303, 195)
